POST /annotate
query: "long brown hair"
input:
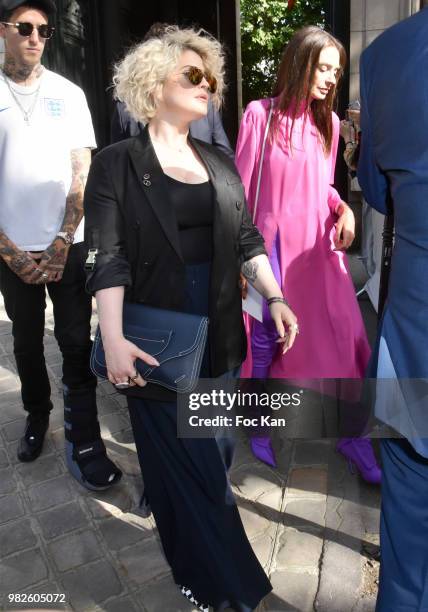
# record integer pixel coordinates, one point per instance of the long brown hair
(295, 77)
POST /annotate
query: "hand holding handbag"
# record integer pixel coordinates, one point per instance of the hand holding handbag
(176, 339)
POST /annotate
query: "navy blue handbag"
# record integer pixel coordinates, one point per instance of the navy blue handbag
(176, 339)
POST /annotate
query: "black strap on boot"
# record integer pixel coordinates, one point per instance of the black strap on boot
(86, 456)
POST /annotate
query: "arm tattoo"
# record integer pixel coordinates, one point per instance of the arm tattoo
(18, 261)
(7, 248)
(249, 270)
(80, 162)
(55, 256)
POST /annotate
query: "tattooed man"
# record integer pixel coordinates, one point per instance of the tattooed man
(46, 137)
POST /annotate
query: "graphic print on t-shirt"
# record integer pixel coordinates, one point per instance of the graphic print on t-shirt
(54, 108)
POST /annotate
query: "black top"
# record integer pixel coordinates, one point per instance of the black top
(128, 220)
(193, 206)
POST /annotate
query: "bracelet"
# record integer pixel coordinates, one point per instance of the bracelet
(350, 142)
(275, 300)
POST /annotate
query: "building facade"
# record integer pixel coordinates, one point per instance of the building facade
(93, 34)
(369, 18)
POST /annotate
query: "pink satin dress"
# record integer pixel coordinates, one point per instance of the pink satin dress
(297, 203)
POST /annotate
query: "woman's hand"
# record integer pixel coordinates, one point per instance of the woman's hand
(286, 324)
(258, 272)
(121, 356)
(345, 227)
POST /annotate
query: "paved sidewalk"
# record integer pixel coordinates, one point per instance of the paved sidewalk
(313, 526)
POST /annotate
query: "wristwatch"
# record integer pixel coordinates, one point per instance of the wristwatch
(66, 236)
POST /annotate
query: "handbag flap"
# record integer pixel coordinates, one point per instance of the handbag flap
(151, 341)
(183, 329)
(176, 339)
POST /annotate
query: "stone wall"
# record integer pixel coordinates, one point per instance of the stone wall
(369, 18)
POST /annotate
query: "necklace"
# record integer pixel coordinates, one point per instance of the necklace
(176, 149)
(27, 114)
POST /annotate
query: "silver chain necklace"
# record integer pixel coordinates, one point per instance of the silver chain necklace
(185, 149)
(25, 113)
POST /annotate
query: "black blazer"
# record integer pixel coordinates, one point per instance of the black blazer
(209, 129)
(128, 218)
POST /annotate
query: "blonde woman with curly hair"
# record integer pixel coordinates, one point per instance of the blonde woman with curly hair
(208, 128)
(167, 216)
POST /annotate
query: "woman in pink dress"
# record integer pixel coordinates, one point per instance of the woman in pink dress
(306, 226)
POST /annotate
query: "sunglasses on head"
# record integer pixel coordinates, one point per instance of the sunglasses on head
(195, 76)
(26, 29)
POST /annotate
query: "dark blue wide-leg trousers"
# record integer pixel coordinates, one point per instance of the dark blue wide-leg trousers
(404, 529)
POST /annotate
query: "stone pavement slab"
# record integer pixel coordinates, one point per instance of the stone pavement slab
(310, 522)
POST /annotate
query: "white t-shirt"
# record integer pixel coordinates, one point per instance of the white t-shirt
(35, 163)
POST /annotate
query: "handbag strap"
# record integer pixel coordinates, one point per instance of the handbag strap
(259, 176)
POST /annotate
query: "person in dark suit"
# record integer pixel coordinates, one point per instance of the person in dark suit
(167, 215)
(393, 166)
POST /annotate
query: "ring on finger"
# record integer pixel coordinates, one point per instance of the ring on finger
(134, 378)
(123, 385)
(294, 327)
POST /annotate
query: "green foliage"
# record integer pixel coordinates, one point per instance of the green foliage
(266, 26)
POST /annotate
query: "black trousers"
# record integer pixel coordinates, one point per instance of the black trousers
(25, 306)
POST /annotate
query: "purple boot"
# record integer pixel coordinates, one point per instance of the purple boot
(263, 348)
(262, 450)
(261, 445)
(359, 453)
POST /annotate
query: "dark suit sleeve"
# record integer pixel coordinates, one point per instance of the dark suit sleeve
(372, 181)
(118, 131)
(219, 138)
(123, 126)
(104, 231)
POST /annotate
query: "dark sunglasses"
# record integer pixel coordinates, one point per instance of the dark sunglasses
(26, 29)
(195, 76)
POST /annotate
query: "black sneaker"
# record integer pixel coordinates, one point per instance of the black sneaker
(189, 595)
(31, 444)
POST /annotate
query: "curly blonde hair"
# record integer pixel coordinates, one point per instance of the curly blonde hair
(147, 66)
